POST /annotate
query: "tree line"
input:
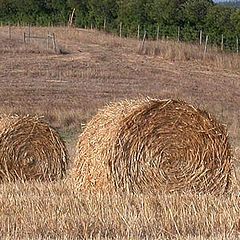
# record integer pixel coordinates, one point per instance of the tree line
(232, 3)
(171, 18)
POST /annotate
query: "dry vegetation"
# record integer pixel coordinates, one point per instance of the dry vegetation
(68, 88)
(58, 211)
(181, 51)
(30, 149)
(153, 145)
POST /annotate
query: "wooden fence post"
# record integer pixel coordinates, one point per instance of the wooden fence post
(48, 40)
(24, 37)
(200, 37)
(54, 42)
(29, 32)
(143, 41)
(10, 31)
(104, 24)
(205, 48)
(237, 44)
(158, 28)
(138, 33)
(70, 20)
(178, 37)
(120, 30)
(222, 43)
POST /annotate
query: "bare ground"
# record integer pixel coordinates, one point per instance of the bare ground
(97, 69)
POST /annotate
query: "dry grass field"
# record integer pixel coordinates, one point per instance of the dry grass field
(91, 70)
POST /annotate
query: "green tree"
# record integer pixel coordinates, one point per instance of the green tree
(235, 18)
(103, 10)
(194, 12)
(8, 10)
(133, 13)
(167, 15)
(165, 12)
(82, 11)
(218, 21)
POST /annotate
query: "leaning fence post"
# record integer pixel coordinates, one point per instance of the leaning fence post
(70, 19)
(24, 37)
(143, 41)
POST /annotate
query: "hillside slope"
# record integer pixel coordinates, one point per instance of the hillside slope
(97, 69)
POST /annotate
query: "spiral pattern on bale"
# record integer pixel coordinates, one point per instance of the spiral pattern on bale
(30, 150)
(148, 145)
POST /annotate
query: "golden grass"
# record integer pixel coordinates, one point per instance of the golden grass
(30, 149)
(68, 90)
(180, 51)
(58, 211)
(146, 145)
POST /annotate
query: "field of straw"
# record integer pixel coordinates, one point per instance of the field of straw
(90, 70)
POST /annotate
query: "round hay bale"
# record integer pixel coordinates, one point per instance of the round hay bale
(30, 150)
(163, 145)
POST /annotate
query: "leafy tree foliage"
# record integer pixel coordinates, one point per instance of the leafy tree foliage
(195, 11)
(218, 23)
(190, 16)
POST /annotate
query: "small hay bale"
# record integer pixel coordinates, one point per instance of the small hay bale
(30, 150)
(149, 145)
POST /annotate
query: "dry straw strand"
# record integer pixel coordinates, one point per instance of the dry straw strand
(151, 144)
(30, 150)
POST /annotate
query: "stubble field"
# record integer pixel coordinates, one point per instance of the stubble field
(92, 70)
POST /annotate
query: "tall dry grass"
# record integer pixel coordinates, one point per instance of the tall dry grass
(57, 211)
(180, 51)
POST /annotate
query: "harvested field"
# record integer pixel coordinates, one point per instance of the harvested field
(93, 70)
(30, 150)
(99, 69)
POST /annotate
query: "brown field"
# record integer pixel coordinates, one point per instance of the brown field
(92, 70)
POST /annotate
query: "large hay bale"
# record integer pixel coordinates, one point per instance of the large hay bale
(163, 145)
(30, 150)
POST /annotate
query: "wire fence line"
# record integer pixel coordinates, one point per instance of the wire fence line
(157, 32)
(48, 40)
(229, 43)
